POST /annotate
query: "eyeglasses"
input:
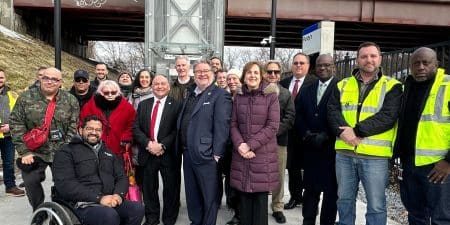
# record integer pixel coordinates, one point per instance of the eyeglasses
(299, 63)
(198, 72)
(326, 65)
(107, 93)
(91, 129)
(273, 71)
(81, 80)
(50, 79)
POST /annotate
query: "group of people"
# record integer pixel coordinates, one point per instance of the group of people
(247, 127)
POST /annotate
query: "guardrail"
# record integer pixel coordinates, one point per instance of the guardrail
(396, 63)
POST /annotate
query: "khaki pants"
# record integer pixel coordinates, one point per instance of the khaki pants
(278, 193)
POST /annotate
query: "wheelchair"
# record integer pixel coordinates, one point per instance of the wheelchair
(56, 212)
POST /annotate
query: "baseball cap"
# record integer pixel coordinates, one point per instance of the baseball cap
(81, 73)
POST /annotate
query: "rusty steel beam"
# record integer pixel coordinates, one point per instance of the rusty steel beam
(415, 12)
(99, 5)
(425, 12)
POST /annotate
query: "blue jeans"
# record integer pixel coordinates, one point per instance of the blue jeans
(7, 151)
(426, 202)
(373, 174)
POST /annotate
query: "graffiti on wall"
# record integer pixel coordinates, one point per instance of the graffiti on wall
(90, 3)
(93, 3)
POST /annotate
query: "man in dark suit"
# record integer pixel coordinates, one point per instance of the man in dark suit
(296, 83)
(318, 145)
(154, 131)
(203, 127)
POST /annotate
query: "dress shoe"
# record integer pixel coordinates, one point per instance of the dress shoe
(292, 204)
(279, 217)
(15, 191)
(234, 221)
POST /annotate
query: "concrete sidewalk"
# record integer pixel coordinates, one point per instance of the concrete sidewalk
(17, 211)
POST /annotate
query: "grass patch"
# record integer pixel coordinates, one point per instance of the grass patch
(20, 59)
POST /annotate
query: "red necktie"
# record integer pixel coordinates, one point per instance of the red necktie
(153, 120)
(295, 90)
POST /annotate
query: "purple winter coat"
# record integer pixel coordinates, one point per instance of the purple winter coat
(255, 121)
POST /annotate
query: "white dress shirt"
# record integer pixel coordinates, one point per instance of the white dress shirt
(158, 116)
(300, 82)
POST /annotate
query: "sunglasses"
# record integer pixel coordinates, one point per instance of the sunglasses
(273, 71)
(299, 63)
(81, 80)
(107, 93)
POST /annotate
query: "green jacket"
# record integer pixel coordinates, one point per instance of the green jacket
(29, 112)
(177, 90)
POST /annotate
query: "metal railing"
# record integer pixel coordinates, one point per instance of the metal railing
(396, 63)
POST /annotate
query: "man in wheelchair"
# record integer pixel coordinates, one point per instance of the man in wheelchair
(90, 177)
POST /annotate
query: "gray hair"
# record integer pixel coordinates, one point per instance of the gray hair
(202, 61)
(178, 57)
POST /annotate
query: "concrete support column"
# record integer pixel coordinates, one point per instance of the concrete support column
(7, 13)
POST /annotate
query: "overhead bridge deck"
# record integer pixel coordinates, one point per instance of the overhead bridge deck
(393, 24)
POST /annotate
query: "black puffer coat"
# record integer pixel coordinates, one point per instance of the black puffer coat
(81, 176)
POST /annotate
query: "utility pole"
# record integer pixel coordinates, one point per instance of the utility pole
(147, 34)
(273, 28)
(57, 32)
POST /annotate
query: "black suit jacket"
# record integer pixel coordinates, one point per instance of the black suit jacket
(317, 137)
(310, 116)
(294, 157)
(167, 127)
(309, 79)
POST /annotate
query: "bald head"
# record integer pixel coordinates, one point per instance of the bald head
(53, 70)
(325, 68)
(51, 81)
(160, 86)
(326, 57)
(424, 64)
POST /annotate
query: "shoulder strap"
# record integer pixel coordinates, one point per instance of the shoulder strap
(49, 114)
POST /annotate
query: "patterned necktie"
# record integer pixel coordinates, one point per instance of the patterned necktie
(295, 90)
(153, 121)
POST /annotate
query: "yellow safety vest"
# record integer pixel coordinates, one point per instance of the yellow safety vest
(12, 97)
(433, 131)
(376, 145)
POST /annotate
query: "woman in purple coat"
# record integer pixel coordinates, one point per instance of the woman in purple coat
(254, 126)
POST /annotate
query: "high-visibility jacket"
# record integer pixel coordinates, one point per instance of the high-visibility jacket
(12, 97)
(433, 130)
(376, 145)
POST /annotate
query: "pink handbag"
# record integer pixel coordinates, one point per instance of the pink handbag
(134, 193)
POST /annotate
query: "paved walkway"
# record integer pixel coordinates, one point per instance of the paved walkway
(16, 210)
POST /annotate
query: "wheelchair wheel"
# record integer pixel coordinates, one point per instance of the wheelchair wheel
(51, 213)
